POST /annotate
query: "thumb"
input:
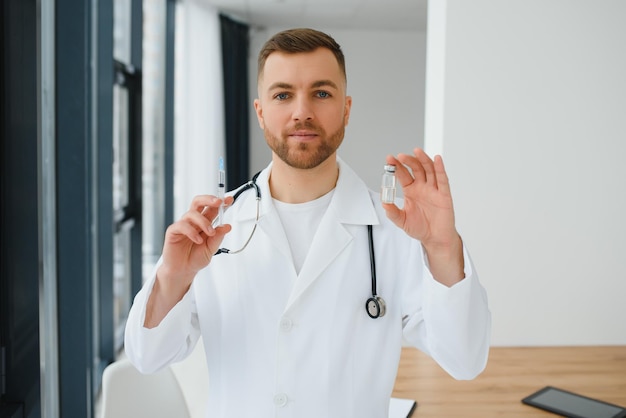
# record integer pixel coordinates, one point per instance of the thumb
(395, 214)
(214, 242)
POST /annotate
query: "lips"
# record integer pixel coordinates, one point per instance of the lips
(303, 135)
(304, 130)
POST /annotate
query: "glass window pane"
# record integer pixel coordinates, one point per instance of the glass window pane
(121, 176)
(121, 282)
(122, 30)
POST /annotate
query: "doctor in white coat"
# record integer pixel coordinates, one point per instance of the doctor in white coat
(284, 322)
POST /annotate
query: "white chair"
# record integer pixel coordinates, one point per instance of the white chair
(193, 378)
(178, 391)
(126, 393)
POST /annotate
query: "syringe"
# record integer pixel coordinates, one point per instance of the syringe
(221, 190)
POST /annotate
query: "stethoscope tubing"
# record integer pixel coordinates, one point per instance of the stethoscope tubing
(375, 302)
(372, 258)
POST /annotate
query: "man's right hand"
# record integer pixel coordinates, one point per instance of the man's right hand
(188, 247)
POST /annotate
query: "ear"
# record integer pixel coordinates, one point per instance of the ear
(346, 111)
(259, 112)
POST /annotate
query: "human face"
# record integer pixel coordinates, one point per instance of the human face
(302, 106)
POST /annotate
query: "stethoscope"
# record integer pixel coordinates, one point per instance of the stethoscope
(374, 306)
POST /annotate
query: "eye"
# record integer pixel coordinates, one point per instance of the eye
(281, 96)
(323, 94)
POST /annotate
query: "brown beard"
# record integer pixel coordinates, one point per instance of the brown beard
(305, 155)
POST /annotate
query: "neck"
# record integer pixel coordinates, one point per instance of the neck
(294, 185)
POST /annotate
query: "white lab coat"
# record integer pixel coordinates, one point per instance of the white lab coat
(285, 345)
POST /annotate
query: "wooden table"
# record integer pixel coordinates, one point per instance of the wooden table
(512, 374)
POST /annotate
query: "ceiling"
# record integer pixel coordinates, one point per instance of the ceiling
(328, 14)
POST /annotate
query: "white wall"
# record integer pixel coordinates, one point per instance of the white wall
(534, 137)
(386, 71)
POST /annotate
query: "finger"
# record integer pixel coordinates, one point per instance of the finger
(228, 201)
(404, 176)
(199, 203)
(427, 165)
(181, 230)
(210, 211)
(214, 215)
(415, 165)
(395, 214)
(443, 183)
(201, 221)
(214, 243)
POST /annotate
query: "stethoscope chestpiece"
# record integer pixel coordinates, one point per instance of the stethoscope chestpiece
(375, 307)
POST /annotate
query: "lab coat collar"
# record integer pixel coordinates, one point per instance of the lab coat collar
(351, 204)
(351, 201)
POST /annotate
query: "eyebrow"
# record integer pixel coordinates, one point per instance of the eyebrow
(324, 83)
(317, 84)
(280, 85)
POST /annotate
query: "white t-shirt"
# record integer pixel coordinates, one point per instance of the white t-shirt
(300, 222)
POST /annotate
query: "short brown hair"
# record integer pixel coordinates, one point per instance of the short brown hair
(292, 41)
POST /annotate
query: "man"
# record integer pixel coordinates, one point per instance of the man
(284, 322)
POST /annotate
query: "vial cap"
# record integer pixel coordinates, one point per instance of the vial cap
(390, 168)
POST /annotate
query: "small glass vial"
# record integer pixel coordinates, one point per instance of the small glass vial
(388, 188)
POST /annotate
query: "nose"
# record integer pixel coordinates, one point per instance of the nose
(303, 109)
